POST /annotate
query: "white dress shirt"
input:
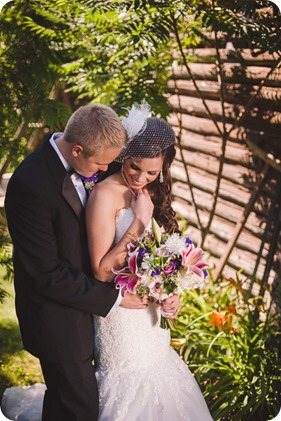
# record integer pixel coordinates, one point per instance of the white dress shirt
(76, 180)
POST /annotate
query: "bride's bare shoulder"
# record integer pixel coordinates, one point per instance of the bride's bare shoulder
(109, 190)
(109, 184)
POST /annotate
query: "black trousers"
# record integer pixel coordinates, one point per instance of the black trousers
(72, 393)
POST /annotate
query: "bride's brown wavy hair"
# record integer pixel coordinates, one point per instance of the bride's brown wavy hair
(160, 193)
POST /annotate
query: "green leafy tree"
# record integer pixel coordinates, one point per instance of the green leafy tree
(29, 76)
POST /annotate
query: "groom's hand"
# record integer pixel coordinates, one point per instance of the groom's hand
(133, 301)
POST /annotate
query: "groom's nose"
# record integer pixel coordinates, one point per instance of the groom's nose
(103, 167)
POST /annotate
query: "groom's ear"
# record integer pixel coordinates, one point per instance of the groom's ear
(76, 150)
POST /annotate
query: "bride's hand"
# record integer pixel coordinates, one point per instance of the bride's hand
(133, 301)
(170, 306)
(142, 206)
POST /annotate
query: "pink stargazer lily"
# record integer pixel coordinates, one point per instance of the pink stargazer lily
(127, 278)
(191, 260)
(131, 247)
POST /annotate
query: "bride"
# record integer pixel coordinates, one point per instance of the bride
(140, 377)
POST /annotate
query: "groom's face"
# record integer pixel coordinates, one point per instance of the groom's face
(87, 165)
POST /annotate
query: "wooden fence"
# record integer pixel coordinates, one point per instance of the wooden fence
(245, 231)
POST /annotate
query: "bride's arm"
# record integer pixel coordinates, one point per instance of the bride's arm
(101, 212)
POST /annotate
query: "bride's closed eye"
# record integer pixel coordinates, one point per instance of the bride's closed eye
(136, 168)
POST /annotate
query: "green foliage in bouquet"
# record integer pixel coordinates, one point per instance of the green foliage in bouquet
(232, 343)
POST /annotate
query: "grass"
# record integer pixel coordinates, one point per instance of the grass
(17, 367)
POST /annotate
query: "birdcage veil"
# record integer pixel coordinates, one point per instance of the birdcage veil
(147, 136)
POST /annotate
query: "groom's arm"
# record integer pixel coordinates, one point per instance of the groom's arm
(37, 254)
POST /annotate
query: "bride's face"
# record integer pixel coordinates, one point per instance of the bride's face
(141, 171)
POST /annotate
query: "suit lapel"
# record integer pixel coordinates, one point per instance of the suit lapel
(71, 196)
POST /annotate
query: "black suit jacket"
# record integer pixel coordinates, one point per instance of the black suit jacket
(55, 293)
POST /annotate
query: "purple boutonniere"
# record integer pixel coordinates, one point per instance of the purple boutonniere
(89, 182)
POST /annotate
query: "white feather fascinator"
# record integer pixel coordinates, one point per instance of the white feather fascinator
(135, 122)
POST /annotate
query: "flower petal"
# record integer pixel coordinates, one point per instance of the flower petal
(131, 287)
(124, 270)
(202, 265)
(195, 255)
(132, 263)
(197, 271)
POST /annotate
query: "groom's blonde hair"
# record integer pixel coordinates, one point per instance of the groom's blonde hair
(95, 127)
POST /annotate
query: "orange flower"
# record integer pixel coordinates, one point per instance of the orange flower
(222, 321)
(218, 319)
(231, 309)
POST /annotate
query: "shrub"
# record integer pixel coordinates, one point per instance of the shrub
(232, 343)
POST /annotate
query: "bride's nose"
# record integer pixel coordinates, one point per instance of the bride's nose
(140, 177)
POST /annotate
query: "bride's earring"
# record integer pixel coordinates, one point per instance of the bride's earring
(161, 178)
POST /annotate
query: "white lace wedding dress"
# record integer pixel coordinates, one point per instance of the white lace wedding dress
(140, 377)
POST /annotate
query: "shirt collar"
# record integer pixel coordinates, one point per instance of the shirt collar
(52, 141)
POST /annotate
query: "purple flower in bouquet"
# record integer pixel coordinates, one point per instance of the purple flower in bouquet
(170, 268)
(141, 252)
(177, 263)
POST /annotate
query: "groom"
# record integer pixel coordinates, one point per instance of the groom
(55, 292)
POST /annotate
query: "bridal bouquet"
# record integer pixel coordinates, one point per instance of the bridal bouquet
(159, 264)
